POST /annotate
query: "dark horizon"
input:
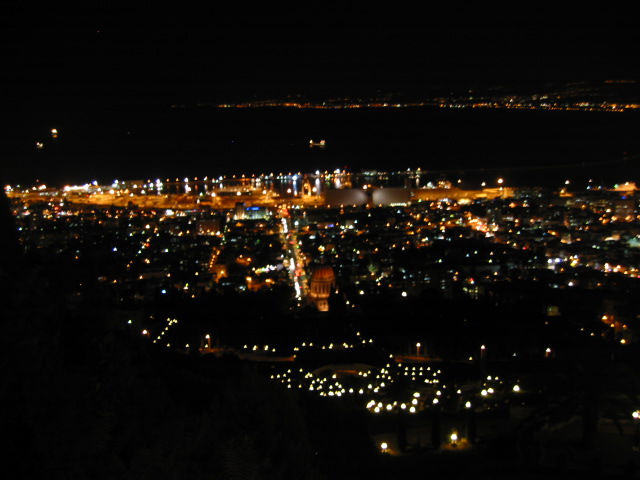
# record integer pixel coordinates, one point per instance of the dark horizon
(63, 56)
(209, 141)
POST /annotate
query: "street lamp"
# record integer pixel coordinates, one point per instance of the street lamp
(384, 446)
(418, 348)
(636, 435)
(208, 339)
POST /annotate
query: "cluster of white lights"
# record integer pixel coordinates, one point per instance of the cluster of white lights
(170, 322)
(333, 346)
(329, 385)
(417, 373)
(259, 348)
(380, 407)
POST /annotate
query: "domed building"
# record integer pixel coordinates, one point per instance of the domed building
(322, 283)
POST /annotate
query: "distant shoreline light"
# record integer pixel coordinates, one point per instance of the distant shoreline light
(580, 107)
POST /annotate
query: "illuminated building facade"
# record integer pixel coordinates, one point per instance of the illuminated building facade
(323, 281)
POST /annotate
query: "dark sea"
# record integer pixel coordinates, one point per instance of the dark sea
(524, 147)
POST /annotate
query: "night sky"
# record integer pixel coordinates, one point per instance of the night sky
(134, 54)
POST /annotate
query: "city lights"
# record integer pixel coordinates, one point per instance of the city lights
(380, 261)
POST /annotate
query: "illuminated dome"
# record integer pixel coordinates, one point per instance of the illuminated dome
(323, 273)
(323, 280)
